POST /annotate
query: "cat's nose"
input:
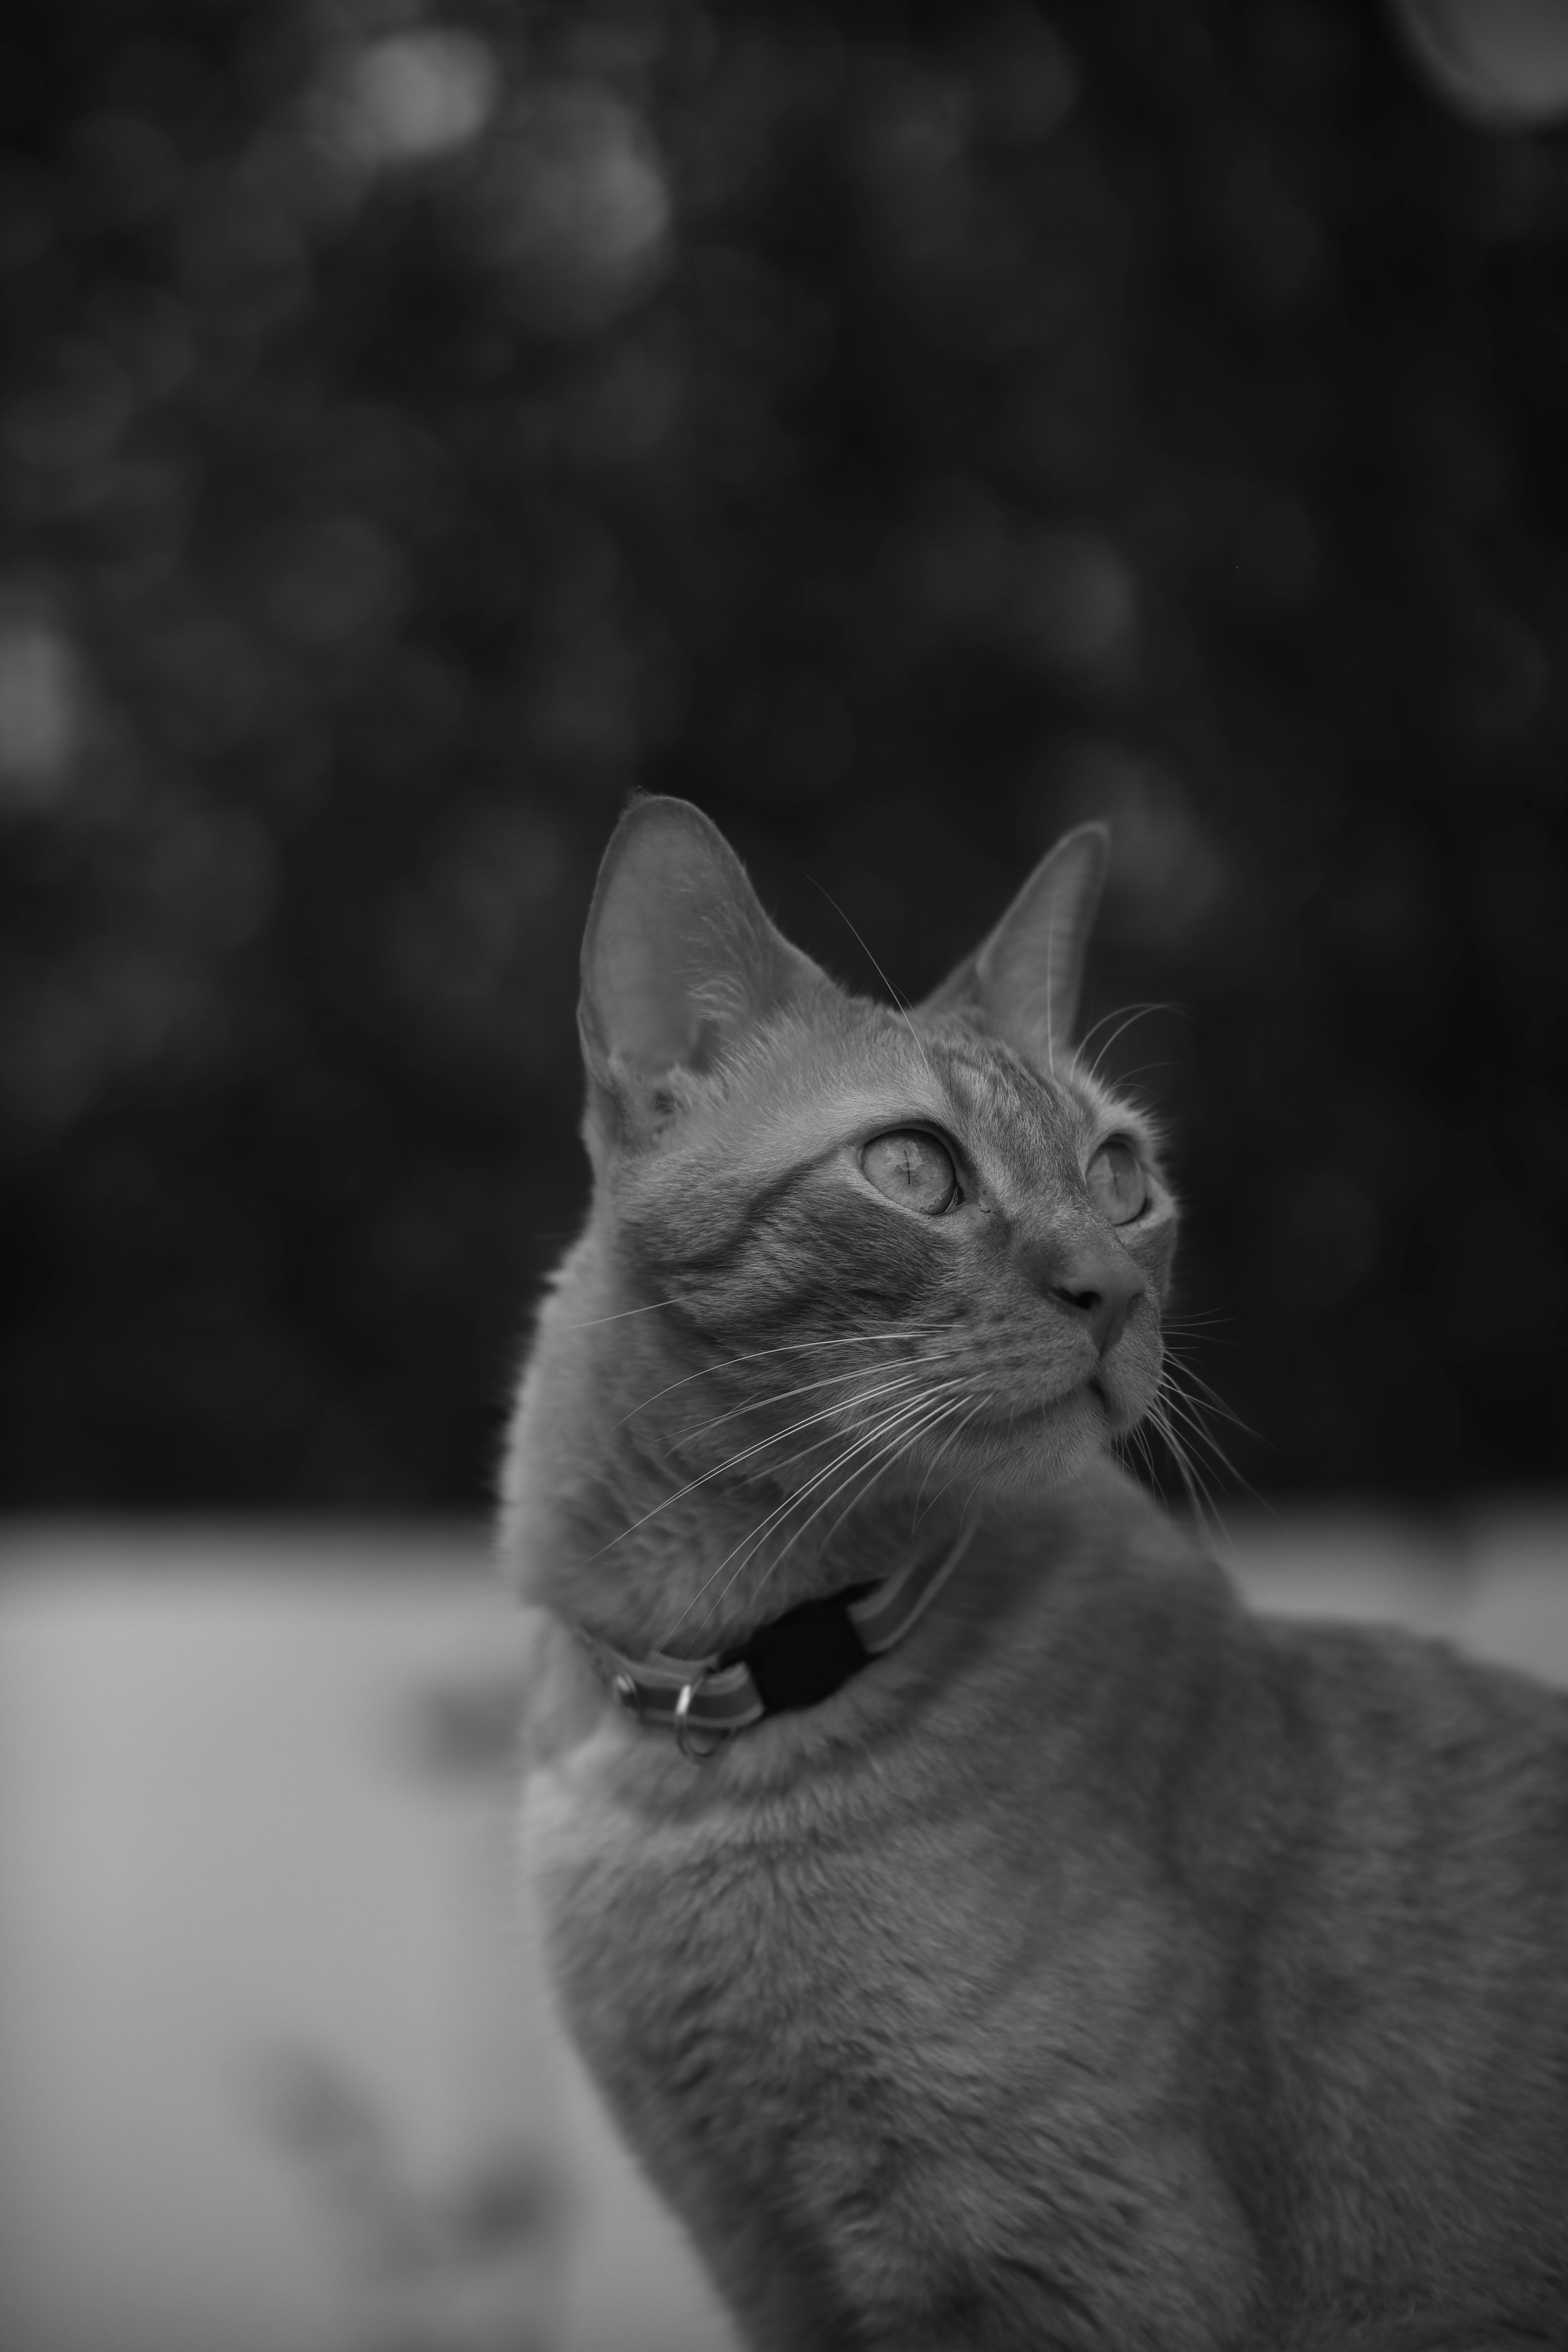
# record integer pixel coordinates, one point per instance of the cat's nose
(1102, 1290)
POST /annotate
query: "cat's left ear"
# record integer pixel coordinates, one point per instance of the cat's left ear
(679, 965)
(1026, 977)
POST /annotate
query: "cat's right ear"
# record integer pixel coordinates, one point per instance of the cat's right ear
(1026, 979)
(679, 965)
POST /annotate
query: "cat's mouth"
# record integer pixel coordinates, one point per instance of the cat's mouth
(1115, 1414)
(1120, 1413)
(1009, 1417)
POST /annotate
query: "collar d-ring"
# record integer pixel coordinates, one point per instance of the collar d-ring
(683, 1725)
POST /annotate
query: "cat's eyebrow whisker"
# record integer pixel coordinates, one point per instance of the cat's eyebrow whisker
(786, 1348)
(1050, 981)
(596, 1322)
(1124, 1013)
(751, 1544)
(901, 1004)
(1128, 1014)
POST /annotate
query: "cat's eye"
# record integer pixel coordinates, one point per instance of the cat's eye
(912, 1169)
(1120, 1187)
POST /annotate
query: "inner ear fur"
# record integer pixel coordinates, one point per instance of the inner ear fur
(680, 962)
(1026, 977)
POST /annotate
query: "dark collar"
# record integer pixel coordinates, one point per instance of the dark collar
(797, 1661)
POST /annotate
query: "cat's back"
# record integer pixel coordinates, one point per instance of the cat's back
(1400, 2005)
(1427, 1798)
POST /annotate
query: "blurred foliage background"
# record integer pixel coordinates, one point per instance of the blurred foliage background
(904, 431)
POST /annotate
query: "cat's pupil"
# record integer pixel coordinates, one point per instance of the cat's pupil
(910, 1167)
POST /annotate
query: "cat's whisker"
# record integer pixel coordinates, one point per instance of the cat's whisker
(1211, 1400)
(751, 1545)
(1204, 1507)
(949, 1440)
(1128, 1013)
(928, 1416)
(759, 1445)
(900, 1005)
(757, 1354)
(748, 1547)
(1195, 1417)
(1179, 1455)
(787, 1504)
(898, 1451)
(1050, 984)
(782, 1396)
(875, 1438)
(899, 1416)
(1133, 1443)
(1125, 1014)
(801, 1453)
(597, 1322)
(786, 1348)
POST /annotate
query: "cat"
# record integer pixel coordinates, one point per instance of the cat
(986, 1933)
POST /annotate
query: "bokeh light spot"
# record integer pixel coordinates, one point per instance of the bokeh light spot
(413, 97)
(574, 205)
(40, 712)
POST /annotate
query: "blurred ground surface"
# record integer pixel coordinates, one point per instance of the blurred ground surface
(277, 2068)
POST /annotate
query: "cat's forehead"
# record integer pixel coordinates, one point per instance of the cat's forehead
(881, 1069)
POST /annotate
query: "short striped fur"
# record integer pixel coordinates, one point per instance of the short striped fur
(1104, 1968)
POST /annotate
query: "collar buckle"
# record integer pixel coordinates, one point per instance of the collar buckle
(800, 1659)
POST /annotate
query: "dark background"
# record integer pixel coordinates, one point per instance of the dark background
(904, 432)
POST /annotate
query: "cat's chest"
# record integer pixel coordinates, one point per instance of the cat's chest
(918, 2057)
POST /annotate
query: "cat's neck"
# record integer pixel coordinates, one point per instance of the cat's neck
(625, 1533)
(694, 1570)
(617, 1525)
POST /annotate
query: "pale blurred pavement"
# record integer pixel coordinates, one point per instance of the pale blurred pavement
(278, 2070)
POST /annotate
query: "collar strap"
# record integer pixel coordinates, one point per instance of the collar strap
(798, 1659)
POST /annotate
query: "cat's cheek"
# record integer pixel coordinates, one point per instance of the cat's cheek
(1154, 1251)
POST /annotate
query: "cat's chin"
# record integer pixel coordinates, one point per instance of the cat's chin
(1039, 1448)
(1031, 1448)
(1089, 1405)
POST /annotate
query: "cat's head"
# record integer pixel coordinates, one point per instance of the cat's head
(865, 1245)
